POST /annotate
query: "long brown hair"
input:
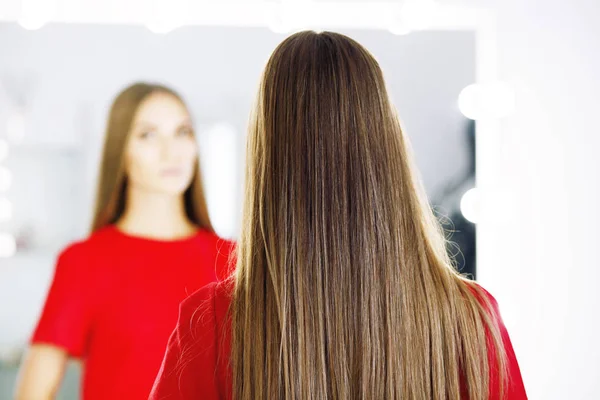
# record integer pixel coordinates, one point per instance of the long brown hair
(344, 289)
(112, 184)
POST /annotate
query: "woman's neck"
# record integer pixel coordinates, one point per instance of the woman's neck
(155, 216)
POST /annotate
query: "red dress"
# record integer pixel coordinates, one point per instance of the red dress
(114, 300)
(196, 364)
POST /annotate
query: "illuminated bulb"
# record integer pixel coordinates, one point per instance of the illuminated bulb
(15, 127)
(413, 15)
(3, 149)
(6, 210)
(35, 13)
(5, 179)
(32, 24)
(160, 27)
(284, 16)
(481, 101)
(165, 16)
(400, 29)
(469, 205)
(8, 245)
(278, 25)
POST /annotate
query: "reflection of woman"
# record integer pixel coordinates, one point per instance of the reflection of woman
(115, 296)
(343, 288)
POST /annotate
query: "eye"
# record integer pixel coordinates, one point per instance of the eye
(146, 134)
(185, 131)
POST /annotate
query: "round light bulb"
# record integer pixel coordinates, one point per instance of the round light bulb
(32, 23)
(469, 205)
(164, 16)
(400, 27)
(3, 149)
(5, 179)
(6, 210)
(412, 15)
(486, 101)
(15, 127)
(8, 245)
(160, 27)
(279, 18)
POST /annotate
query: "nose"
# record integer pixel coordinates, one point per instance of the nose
(169, 149)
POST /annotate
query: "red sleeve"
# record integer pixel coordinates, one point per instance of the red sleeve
(67, 314)
(514, 388)
(189, 368)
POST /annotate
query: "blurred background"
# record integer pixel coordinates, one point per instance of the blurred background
(497, 98)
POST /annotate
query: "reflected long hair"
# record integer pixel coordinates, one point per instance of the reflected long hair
(111, 196)
(343, 288)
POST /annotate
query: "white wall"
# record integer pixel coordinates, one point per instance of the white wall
(540, 239)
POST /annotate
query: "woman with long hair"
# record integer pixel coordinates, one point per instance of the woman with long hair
(343, 287)
(115, 295)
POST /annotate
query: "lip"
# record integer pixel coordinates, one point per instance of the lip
(171, 172)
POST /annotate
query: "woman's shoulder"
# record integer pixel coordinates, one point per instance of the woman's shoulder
(211, 236)
(220, 244)
(88, 256)
(220, 251)
(208, 305)
(204, 323)
(514, 388)
(196, 359)
(96, 242)
(485, 298)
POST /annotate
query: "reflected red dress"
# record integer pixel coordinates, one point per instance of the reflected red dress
(193, 368)
(114, 300)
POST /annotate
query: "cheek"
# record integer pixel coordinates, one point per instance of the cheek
(140, 162)
(190, 153)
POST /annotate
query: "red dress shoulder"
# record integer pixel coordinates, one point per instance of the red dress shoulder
(196, 363)
(197, 360)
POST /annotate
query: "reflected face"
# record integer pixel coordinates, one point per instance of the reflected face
(161, 150)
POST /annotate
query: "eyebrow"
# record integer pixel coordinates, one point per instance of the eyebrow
(145, 124)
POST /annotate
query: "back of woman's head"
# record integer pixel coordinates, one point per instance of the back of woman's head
(343, 288)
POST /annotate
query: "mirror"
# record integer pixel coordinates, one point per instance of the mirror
(56, 86)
